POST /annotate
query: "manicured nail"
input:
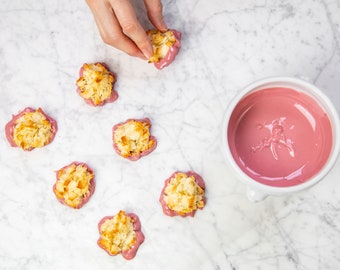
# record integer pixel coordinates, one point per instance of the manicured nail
(147, 54)
(163, 26)
(141, 56)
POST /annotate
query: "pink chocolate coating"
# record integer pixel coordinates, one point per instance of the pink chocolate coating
(144, 153)
(9, 128)
(92, 185)
(130, 253)
(114, 94)
(280, 136)
(199, 181)
(173, 51)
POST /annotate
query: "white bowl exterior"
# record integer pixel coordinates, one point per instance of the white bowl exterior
(301, 86)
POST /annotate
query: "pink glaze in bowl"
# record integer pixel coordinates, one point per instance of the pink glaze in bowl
(280, 135)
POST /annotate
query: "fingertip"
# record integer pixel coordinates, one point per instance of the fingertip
(147, 54)
(146, 47)
(155, 14)
(137, 53)
(162, 26)
(141, 56)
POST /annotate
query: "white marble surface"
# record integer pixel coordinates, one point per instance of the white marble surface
(226, 45)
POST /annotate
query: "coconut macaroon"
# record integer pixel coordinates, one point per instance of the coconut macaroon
(183, 194)
(31, 129)
(74, 185)
(166, 46)
(95, 84)
(120, 233)
(132, 139)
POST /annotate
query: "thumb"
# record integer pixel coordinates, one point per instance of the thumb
(154, 10)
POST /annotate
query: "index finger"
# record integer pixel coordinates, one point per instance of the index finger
(110, 29)
(131, 27)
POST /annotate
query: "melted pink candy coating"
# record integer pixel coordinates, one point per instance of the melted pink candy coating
(279, 137)
(166, 210)
(114, 94)
(91, 187)
(173, 51)
(131, 253)
(144, 153)
(9, 128)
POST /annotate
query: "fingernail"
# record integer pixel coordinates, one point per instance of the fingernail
(147, 54)
(142, 56)
(163, 25)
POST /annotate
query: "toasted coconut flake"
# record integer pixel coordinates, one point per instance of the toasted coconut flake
(132, 139)
(31, 129)
(120, 234)
(183, 194)
(74, 185)
(95, 84)
(161, 42)
(117, 234)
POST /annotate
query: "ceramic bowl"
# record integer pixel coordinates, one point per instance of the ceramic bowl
(280, 135)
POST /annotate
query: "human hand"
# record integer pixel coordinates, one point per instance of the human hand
(119, 27)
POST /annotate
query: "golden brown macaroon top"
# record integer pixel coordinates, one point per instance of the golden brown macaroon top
(133, 138)
(117, 233)
(183, 195)
(32, 130)
(161, 42)
(73, 184)
(95, 83)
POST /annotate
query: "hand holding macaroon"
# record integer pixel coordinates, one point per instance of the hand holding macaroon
(119, 27)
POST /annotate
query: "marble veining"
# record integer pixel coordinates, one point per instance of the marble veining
(226, 45)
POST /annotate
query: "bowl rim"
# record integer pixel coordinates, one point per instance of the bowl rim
(303, 86)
